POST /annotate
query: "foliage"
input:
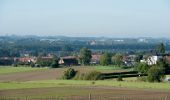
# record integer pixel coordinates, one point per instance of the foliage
(162, 63)
(142, 68)
(44, 62)
(105, 59)
(93, 75)
(85, 56)
(117, 60)
(119, 78)
(156, 74)
(69, 74)
(55, 62)
(160, 49)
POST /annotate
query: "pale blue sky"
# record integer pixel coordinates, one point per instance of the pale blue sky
(116, 18)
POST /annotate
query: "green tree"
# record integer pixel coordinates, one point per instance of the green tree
(117, 60)
(105, 59)
(85, 56)
(44, 62)
(142, 68)
(156, 74)
(162, 63)
(55, 62)
(160, 49)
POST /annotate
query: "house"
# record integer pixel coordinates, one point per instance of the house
(25, 59)
(95, 59)
(68, 61)
(151, 60)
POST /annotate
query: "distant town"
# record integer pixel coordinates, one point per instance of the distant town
(30, 50)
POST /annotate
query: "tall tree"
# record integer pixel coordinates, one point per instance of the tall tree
(117, 59)
(160, 49)
(105, 59)
(85, 56)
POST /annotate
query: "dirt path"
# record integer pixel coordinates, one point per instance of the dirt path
(82, 93)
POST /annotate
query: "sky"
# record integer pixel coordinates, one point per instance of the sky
(89, 18)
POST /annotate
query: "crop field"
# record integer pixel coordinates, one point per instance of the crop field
(45, 83)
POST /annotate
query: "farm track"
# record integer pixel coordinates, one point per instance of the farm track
(82, 93)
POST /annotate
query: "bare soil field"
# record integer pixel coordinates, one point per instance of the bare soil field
(86, 93)
(47, 74)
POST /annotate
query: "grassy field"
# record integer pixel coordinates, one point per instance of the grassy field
(10, 69)
(58, 83)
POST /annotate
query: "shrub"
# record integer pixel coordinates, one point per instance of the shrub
(119, 78)
(79, 76)
(69, 74)
(93, 75)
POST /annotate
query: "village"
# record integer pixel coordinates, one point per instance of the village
(127, 60)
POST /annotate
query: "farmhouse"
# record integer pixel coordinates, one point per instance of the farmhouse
(68, 61)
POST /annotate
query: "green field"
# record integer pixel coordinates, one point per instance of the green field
(58, 83)
(10, 69)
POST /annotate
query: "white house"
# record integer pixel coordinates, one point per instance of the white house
(152, 60)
